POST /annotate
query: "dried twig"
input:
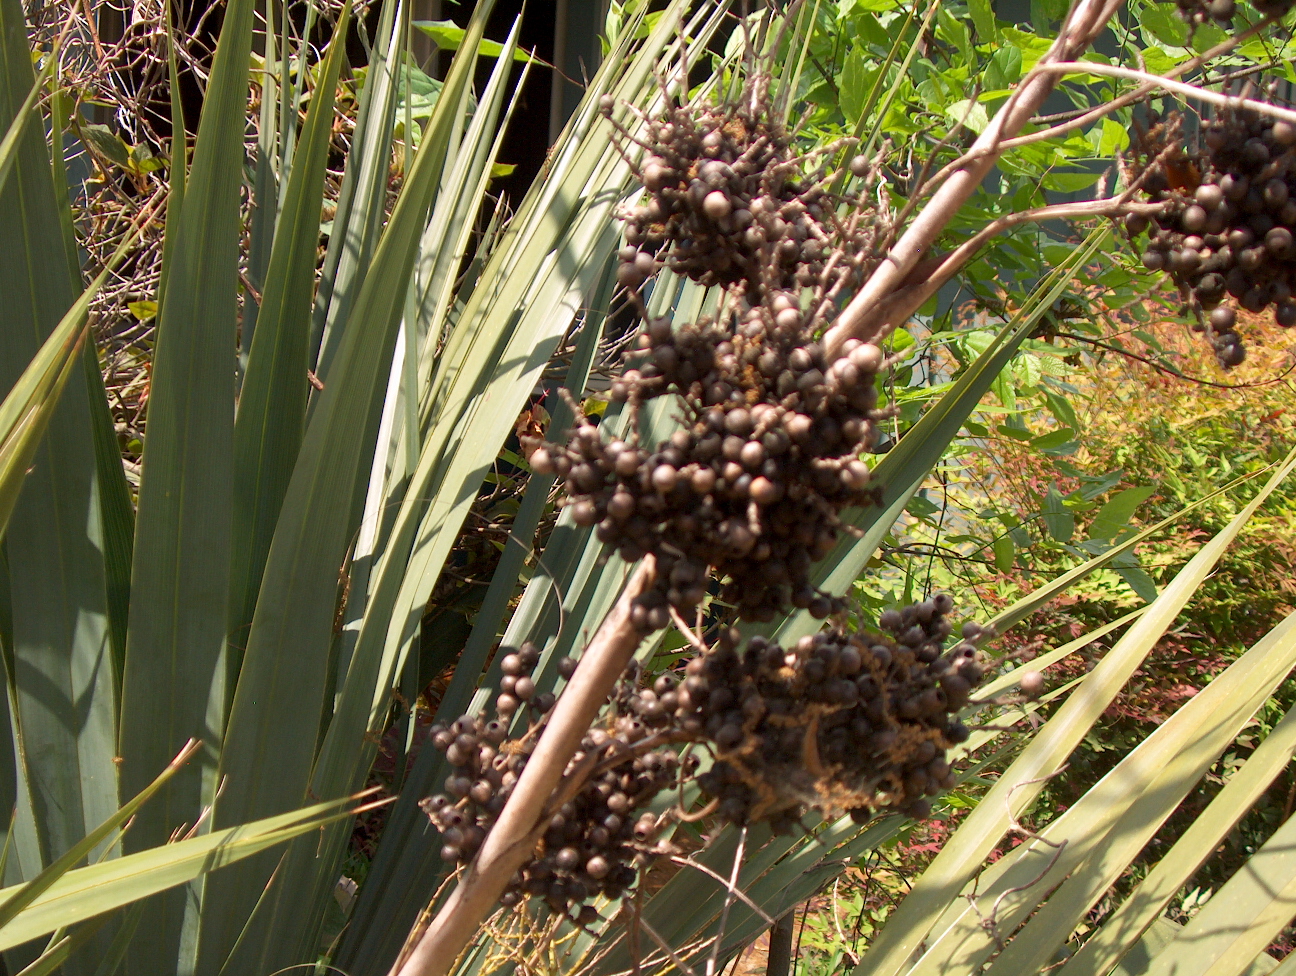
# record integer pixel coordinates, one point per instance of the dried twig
(680, 964)
(1178, 87)
(733, 889)
(730, 889)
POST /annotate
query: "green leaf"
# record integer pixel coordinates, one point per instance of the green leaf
(1110, 824)
(561, 244)
(269, 167)
(27, 409)
(857, 78)
(22, 115)
(143, 310)
(1114, 138)
(91, 891)
(272, 403)
(18, 902)
(1241, 919)
(1122, 929)
(106, 144)
(57, 955)
(1057, 518)
(951, 28)
(983, 19)
(116, 507)
(181, 563)
(275, 719)
(968, 113)
(1139, 581)
(1164, 24)
(1114, 517)
(1003, 551)
(310, 871)
(1062, 410)
(57, 647)
(1069, 182)
(1054, 440)
(448, 36)
(362, 198)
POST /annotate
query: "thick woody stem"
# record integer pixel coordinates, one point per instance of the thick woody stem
(859, 319)
(510, 841)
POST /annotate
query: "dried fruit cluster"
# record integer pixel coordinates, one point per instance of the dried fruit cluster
(839, 723)
(484, 770)
(1229, 227)
(591, 841)
(769, 453)
(729, 202)
(753, 483)
(751, 487)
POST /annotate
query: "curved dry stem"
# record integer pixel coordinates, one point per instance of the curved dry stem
(714, 956)
(898, 307)
(682, 625)
(662, 944)
(1086, 21)
(511, 839)
(1094, 114)
(1178, 87)
(733, 889)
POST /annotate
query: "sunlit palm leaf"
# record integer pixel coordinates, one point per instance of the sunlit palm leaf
(1122, 929)
(273, 729)
(55, 636)
(180, 576)
(963, 853)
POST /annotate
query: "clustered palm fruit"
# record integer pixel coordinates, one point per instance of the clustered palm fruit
(591, 841)
(484, 773)
(769, 453)
(1229, 224)
(729, 203)
(752, 484)
(839, 723)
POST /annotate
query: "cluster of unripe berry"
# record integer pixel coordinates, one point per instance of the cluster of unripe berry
(1229, 224)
